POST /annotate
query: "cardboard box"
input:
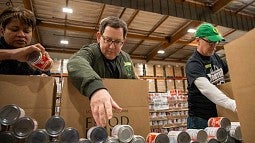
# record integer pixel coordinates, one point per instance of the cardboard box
(161, 85)
(226, 88)
(159, 70)
(34, 94)
(75, 108)
(240, 57)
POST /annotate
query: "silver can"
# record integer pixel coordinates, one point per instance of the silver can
(9, 114)
(197, 135)
(83, 140)
(23, 127)
(97, 134)
(112, 140)
(38, 136)
(69, 135)
(55, 125)
(178, 137)
(235, 130)
(8, 137)
(217, 132)
(124, 133)
(138, 139)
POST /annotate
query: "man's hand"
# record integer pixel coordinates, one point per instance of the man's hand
(101, 104)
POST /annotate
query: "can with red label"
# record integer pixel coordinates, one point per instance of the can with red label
(157, 138)
(179, 137)
(38, 60)
(217, 132)
(222, 122)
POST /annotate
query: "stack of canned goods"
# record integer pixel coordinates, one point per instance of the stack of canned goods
(15, 126)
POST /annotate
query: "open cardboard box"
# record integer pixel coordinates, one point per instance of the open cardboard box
(34, 94)
(130, 94)
(240, 57)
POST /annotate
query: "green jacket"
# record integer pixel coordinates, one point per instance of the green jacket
(88, 66)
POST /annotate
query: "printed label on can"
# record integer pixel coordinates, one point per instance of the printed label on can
(38, 60)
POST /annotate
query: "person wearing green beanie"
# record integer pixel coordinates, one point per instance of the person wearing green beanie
(204, 70)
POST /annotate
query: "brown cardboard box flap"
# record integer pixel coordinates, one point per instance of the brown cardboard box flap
(240, 57)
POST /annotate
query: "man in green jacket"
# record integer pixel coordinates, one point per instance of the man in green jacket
(103, 59)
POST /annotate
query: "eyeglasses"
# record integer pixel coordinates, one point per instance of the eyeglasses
(109, 41)
(211, 43)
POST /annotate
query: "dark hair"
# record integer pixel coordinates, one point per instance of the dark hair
(24, 15)
(113, 22)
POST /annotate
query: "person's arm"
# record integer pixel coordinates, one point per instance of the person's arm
(214, 94)
(19, 54)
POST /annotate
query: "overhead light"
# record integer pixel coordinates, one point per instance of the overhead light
(67, 10)
(191, 30)
(65, 42)
(161, 51)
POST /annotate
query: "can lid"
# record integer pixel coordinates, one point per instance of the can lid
(125, 133)
(137, 139)
(97, 134)
(222, 135)
(183, 137)
(202, 136)
(38, 136)
(69, 135)
(83, 140)
(9, 114)
(8, 137)
(55, 125)
(161, 138)
(23, 127)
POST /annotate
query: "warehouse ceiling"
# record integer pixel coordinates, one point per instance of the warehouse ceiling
(153, 24)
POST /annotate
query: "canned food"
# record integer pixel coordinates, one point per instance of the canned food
(235, 130)
(212, 140)
(83, 140)
(179, 137)
(97, 134)
(23, 127)
(217, 132)
(69, 135)
(55, 125)
(197, 135)
(9, 114)
(38, 136)
(157, 138)
(8, 137)
(38, 60)
(124, 133)
(112, 140)
(137, 139)
(222, 122)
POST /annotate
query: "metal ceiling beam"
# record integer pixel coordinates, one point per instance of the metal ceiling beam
(88, 30)
(188, 10)
(220, 4)
(173, 39)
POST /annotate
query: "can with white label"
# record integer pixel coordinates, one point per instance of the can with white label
(235, 130)
(23, 127)
(112, 140)
(9, 114)
(97, 134)
(217, 132)
(138, 139)
(222, 122)
(197, 135)
(179, 137)
(38, 136)
(157, 138)
(124, 133)
(69, 135)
